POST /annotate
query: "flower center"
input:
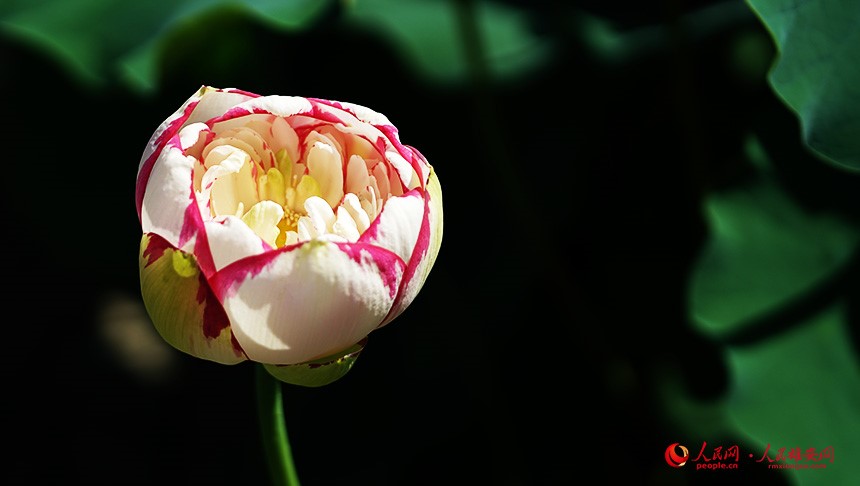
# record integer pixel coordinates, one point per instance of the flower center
(327, 184)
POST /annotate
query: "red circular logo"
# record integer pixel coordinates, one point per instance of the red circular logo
(673, 458)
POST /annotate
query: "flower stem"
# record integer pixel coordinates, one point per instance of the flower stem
(273, 429)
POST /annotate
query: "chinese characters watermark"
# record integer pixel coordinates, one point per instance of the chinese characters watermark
(722, 457)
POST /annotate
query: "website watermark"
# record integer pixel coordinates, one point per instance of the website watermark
(721, 457)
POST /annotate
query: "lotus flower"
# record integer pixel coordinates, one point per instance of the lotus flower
(282, 230)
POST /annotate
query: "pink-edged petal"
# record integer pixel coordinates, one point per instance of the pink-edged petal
(365, 114)
(410, 165)
(426, 249)
(231, 239)
(206, 103)
(408, 177)
(271, 105)
(310, 300)
(215, 102)
(413, 157)
(169, 198)
(181, 304)
(397, 226)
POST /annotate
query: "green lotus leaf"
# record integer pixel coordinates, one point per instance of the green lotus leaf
(816, 72)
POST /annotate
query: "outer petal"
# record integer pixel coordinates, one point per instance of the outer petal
(181, 304)
(169, 198)
(398, 225)
(206, 103)
(425, 251)
(310, 300)
(434, 216)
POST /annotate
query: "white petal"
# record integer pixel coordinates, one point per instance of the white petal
(206, 103)
(426, 249)
(404, 169)
(320, 214)
(230, 239)
(168, 195)
(366, 114)
(305, 229)
(215, 102)
(359, 216)
(277, 105)
(398, 224)
(293, 306)
(190, 134)
(345, 225)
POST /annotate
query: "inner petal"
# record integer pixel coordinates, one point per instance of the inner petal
(352, 205)
(263, 219)
(231, 180)
(356, 174)
(284, 137)
(345, 226)
(380, 173)
(232, 142)
(324, 165)
(272, 186)
(320, 215)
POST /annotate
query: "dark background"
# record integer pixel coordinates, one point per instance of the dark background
(534, 352)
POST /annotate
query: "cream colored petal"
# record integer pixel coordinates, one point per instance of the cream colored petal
(380, 174)
(326, 167)
(356, 212)
(263, 219)
(272, 186)
(284, 137)
(233, 183)
(356, 175)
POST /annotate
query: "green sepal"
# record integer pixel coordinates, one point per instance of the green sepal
(319, 372)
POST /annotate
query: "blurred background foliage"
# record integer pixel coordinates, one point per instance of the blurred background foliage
(650, 238)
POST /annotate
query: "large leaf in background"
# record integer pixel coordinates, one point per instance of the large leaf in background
(799, 386)
(817, 72)
(802, 389)
(764, 250)
(797, 389)
(428, 35)
(100, 39)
